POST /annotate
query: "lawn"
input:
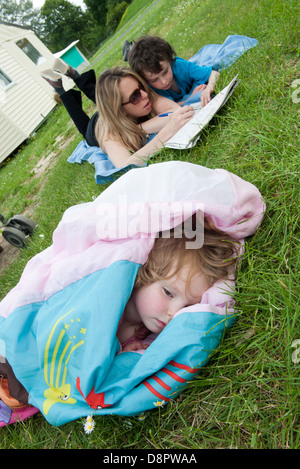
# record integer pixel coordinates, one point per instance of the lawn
(248, 395)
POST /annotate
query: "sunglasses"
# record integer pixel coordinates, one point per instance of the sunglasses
(136, 96)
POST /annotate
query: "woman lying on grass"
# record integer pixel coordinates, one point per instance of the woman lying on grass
(128, 111)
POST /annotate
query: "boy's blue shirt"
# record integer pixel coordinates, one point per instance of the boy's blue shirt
(187, 75)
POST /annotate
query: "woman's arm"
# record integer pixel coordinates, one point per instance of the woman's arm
(155, 124)
(120, 156)
(161, 105)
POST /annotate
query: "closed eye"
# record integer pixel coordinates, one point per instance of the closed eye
(167, 292)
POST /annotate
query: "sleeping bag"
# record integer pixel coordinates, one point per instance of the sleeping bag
(58, 324)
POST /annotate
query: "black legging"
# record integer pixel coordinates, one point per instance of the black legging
(72, 100)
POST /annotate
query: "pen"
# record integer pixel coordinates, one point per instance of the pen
(165, 114)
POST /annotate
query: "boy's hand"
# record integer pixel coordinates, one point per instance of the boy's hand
(205, 96)
(198, 88)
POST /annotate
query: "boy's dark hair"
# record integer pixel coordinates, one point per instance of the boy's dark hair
(147, 53)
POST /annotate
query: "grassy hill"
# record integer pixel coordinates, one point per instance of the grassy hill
(248, 394)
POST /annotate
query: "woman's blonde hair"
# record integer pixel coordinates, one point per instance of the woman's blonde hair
(215, 260)
(113, 121)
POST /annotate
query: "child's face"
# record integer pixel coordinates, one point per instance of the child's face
(156, 304)
(161, 80)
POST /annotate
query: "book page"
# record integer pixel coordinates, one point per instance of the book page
(186, 137)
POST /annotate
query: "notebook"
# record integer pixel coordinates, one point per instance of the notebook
(188, 135)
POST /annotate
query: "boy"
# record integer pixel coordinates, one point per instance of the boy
(173, 77)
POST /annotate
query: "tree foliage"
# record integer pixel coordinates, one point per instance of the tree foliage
(115, 11)
(65, 23)
(22, 13)
(59, 22)
(98, 10)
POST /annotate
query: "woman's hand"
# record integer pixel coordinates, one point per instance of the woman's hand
(157, 123)
(176, 120)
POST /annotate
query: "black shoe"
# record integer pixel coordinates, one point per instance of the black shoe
(125, 49)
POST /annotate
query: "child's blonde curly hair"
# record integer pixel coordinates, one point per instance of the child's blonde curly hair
(215, 260)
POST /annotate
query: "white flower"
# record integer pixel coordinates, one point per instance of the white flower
(89, 424)
(159, 403)
(127, 424)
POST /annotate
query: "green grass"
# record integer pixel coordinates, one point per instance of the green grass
(133, 11)
(248, 395)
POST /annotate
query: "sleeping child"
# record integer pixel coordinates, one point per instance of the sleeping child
(127, 304)
(172, 278)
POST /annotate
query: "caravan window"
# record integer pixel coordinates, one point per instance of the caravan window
(30, 51)
(5, 81)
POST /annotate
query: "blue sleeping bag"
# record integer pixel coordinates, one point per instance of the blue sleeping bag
(58, 325)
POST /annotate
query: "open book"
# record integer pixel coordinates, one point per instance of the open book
(188, 135)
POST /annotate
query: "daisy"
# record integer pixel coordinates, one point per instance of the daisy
(89, 424)
(159, 403)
